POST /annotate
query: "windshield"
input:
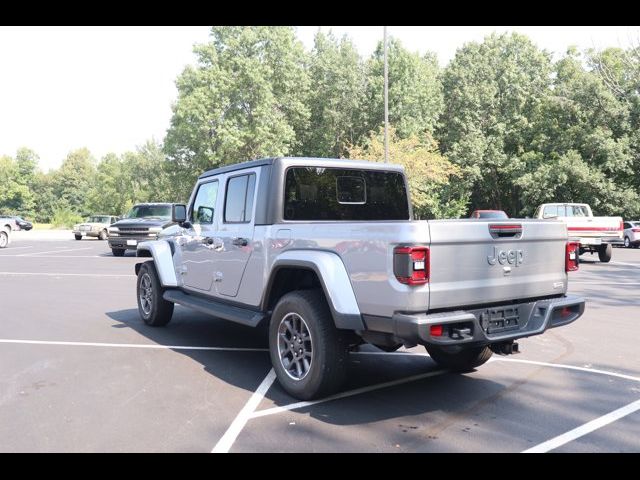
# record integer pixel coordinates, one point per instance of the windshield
(97, 219)
(150, 211)
(492, 215)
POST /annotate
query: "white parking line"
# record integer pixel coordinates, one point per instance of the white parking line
(348, 393)
(568, 367)
(132, 345)
(38, 274)
(57, 256)
(583, 430)
(636, 265)
(54, 251)
(229, 437)
(603, 283)
(16, 248)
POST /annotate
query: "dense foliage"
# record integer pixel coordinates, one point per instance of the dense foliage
(502, 126)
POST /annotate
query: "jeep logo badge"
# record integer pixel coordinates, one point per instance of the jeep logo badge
(512, 257)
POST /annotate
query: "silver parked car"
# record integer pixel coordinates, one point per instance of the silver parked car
(632, 234)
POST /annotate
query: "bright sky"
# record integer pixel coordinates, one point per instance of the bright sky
(111, 88)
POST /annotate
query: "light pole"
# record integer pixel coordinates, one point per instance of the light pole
(386, 100)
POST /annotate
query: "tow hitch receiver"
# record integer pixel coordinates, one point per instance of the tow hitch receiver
(505, 348)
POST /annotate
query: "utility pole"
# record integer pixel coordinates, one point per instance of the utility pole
(386, 100)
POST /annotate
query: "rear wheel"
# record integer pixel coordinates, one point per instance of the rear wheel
(4, 239)
(308, 353)
(118, 252)
(78, 237)
(604, 253)
(460, 359)
(153, 308)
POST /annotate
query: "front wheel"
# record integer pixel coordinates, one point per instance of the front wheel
(604, 253)
(102, 235)
(308, 353)
(460, 359)
(627, 242)
(4, 239)
(153, 308)
(118, 252)
(78, 237)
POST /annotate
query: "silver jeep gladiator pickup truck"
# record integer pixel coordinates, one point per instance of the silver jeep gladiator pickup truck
(326, 253)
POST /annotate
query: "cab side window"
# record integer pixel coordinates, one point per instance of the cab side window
(205, 203)
(238, 204)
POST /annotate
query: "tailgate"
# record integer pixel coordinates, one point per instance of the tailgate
(594, 227)
(475, 262)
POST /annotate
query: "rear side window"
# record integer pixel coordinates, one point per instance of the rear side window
(313, 193)
(238, 204)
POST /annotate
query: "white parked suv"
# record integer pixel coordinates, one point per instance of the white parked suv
(632, 234)
(5, 231)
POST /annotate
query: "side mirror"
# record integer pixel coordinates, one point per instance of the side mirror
(205, 215)
(179, 213)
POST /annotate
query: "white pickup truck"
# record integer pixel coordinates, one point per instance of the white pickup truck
(595, 234)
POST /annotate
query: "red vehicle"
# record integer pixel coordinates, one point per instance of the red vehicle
(488, 214)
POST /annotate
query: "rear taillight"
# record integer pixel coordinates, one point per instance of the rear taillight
(572, 258)
(621, 226)
(635, 230)
(411, 265)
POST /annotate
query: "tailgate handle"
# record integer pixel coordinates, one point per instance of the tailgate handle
(504, 230)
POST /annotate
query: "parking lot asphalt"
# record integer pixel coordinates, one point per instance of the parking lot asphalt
(80, 372)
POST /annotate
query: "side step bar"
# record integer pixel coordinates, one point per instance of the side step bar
(243, 316)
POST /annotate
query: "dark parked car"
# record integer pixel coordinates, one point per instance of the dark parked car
(22, 223)
(489, 214)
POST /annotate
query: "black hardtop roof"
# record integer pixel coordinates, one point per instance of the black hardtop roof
(238, 166)
(317, 160)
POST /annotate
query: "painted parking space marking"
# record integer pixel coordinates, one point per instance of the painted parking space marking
(229, 437)
(585, 429)
(59, 250)
(348, 393)
(100, 275)
(131, 345)
(11, 248)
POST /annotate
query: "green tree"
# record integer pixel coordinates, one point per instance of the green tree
(15, 196)
(246, 98)
(415, 90)
(336, 97)
(583, 144)
(74, 180)
(493, 91)
(432, 178)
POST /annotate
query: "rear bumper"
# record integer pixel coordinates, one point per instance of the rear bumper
(596, 241)
(482, 326)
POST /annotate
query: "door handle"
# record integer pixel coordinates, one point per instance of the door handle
(211, 242)
(240, 242)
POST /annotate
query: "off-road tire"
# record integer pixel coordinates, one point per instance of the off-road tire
(152, 307)
(460, 359)
(327, 345)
